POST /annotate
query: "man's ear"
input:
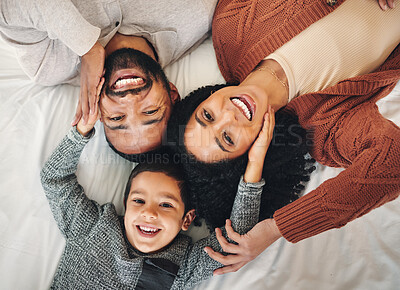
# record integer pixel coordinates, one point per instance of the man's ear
(174, 93)
(188, 219)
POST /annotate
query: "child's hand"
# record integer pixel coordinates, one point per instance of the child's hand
(84, 128)
(259, 148)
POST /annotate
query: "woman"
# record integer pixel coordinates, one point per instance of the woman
(278, 51)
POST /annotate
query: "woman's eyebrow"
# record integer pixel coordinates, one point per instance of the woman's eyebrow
(220, 145)
(199, 121)
(216, 139)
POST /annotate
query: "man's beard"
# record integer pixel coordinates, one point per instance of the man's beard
(129, 58)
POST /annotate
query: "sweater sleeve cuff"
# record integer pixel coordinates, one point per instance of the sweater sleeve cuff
(302, 218)
(250, 187)
(77, 138)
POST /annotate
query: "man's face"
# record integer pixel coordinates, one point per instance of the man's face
(154, 212)
(135, 104)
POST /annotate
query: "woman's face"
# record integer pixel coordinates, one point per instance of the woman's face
(226, 124)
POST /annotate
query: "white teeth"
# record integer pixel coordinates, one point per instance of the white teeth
(134, 81)
(146, 229)
(243, 106)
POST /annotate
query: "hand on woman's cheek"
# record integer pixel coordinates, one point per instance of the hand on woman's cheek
(248, 247)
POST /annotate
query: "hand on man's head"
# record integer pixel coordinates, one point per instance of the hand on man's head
(84, 128)
(92, 70)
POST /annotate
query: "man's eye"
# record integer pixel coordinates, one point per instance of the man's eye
(116, 118)
(151, 112)
(228, 139)
(168, 205)
(207, 116)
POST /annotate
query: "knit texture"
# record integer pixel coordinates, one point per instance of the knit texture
(345, 125)
(245, 32)
(97, 254)
(347, 131)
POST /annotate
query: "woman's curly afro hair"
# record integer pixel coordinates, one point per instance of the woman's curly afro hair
(212, 186)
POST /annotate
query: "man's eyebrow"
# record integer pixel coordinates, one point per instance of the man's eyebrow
(119, 127)
(153, 121)
(199, 121)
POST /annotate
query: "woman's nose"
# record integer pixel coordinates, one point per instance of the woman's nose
(226, 118)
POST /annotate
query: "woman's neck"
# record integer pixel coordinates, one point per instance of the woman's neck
(119, 41)
(270, 77)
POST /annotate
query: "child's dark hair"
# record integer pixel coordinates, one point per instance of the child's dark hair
(168, 168)
(213, 186)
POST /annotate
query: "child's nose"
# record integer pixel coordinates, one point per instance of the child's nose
(149, 212)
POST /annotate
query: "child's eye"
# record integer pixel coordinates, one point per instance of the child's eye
(164, 204)
(138, 200)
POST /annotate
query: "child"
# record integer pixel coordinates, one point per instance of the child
(143, 249)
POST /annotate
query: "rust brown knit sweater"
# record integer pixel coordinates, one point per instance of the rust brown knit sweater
(348, 130)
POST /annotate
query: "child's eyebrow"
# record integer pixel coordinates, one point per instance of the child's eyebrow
(170, 196)
(165, 195)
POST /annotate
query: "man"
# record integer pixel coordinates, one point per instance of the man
(55, 40)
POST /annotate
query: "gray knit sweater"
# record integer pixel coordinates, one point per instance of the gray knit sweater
(97, 254)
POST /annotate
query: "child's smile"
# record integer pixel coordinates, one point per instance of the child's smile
(148, 231)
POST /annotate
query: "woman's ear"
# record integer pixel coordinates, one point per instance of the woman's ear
(174, 93)
(188, 219)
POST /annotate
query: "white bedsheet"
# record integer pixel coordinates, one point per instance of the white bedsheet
(363, 255)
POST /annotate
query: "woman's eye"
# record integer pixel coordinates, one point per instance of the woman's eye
(168, 205)
(228, 139)
(141, 201)
(116, 118)
(151, 112)
(207, 116)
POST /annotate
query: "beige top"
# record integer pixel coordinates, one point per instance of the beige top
(353, 40)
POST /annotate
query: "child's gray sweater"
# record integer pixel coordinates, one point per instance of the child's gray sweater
(97, 254)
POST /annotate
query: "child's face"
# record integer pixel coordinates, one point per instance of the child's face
(154, 212)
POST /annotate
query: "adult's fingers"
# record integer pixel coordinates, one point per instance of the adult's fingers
(386, 4)
(78, 114)
(99, 87)
(92, 99)
(224, 260)
(84, 103)
(225, 245)
(231, 233)
(228, 269)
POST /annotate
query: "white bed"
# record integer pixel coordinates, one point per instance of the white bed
(363, 255)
